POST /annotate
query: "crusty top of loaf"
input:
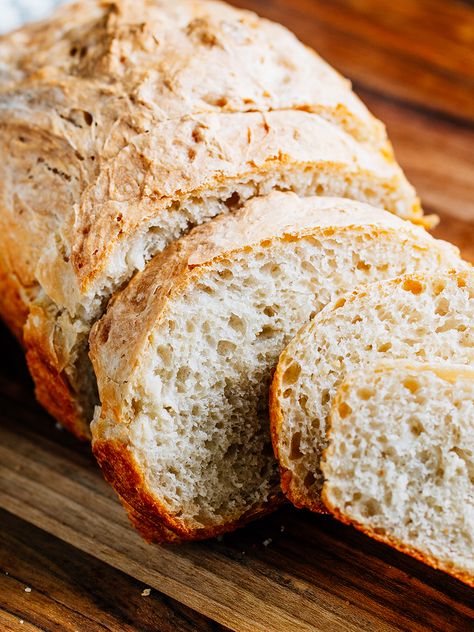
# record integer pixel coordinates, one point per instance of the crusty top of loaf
(142, 304)
(86, 213)
(106, 120)
(167, 59)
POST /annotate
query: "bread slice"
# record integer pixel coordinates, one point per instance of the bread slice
(184, 354)
(400, 461)
(118, 133)
(423, 317)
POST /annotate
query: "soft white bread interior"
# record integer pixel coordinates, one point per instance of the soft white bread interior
(184, 354)
(400, 460)
(424, 317)
(122, 125)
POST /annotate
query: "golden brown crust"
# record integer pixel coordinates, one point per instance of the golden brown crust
(52, 387)
(145, 512)
(13, 309)
(152, 532)
(401, 546)
(53, 392)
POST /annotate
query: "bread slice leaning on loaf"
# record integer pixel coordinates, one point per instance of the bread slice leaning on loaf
(400, 460)
(124, 124)
(424, 317)
(184, 354)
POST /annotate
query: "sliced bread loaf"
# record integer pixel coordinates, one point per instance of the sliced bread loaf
(123, 124)
(184, 354)
(400, 461)
(425, 317)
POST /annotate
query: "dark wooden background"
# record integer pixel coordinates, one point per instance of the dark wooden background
(413, 64)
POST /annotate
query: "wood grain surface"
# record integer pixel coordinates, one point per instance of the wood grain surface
(50, 585)
(63, 533)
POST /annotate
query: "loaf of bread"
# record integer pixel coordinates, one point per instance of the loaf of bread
(122, 125)
(400, 461)
(424, 317)
(184, 354)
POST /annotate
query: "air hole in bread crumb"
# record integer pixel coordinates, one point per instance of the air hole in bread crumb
(225, 347)
(411, 384)
(438, 287)
(363, 266)
(442, 307)
(183, 373)
(287, 393)
(267, 331)
(303, 400)
(295, 452)
(233, 201)
(309, 480)
(344, 410)
(226, 274)
(386, 346)
(413, 286)
(416, 427)
(325, 397)
(237, 324)
(365, 393)
(291, 374)
(372, 507)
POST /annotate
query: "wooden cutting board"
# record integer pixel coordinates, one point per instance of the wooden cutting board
(413, 64)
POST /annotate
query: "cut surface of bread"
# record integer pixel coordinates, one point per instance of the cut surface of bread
(422, 317)
(184, 354)
(122, 125)
(400, 460)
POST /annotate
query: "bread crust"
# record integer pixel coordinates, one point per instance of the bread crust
(52, 388)
(422, 556)
(13, 309)
(148, 515)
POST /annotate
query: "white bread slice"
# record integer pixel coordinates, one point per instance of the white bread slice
(400, 461)
(183, 356)
(122, 125)
(424, 317)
